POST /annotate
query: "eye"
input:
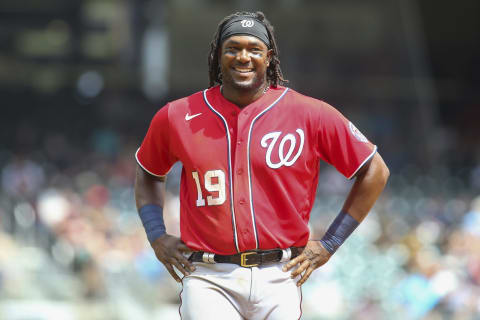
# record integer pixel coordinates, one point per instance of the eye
(230, 50)
(256, 51)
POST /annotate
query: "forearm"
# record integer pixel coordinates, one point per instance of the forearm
(148, 189)
(368, 186)
(149, 196)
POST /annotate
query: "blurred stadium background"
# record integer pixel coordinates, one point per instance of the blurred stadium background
(80, 81)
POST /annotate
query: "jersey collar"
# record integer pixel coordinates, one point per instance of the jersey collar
(219, 102)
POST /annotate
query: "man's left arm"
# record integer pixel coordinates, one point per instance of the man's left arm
(369, 184)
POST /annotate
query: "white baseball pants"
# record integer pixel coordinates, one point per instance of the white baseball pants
(230, 292)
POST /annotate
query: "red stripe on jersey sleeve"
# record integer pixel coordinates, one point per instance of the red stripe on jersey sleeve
(155, 155)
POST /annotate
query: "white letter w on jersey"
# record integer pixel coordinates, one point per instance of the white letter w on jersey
(284, 158)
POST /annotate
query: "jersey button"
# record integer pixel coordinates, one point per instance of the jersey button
(242, 202)
(239, 142)
(239, 171)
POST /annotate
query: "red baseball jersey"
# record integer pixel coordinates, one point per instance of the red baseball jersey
(249, 174)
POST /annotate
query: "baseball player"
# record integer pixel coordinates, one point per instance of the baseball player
(250, 150)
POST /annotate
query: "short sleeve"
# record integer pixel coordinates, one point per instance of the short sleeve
(155, 155)
(341, 144)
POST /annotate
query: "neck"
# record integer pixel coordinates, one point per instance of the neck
(240, 97)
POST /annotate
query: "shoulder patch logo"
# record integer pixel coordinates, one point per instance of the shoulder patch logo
(285, 159)
(247, 23)
(356, 133)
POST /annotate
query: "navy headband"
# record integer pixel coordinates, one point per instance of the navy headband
(245, 25)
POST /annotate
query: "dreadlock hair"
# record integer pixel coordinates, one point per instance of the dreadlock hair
(274, 72)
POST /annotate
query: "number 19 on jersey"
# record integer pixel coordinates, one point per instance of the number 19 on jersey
(214, 182)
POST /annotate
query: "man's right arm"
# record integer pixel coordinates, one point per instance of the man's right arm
(150, 190)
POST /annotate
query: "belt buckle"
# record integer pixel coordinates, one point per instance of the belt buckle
(243, 259)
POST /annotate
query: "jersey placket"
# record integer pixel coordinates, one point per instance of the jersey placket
(246, 229)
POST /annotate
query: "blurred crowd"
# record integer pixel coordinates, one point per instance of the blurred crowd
(72, 246)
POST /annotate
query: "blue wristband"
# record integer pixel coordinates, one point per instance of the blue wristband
(339, 231)
(152, 220)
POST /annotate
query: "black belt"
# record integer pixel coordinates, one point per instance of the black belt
(245, 259)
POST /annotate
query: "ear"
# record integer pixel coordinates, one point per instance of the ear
(269, 57)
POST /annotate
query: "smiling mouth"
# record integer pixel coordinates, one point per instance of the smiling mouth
(243, 70)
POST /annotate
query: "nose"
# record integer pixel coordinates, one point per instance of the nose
(243, 56)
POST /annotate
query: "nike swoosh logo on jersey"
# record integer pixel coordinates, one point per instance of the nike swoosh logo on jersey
(188, 117)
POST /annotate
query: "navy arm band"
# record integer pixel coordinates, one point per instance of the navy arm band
(152, 220)
(339, 231)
